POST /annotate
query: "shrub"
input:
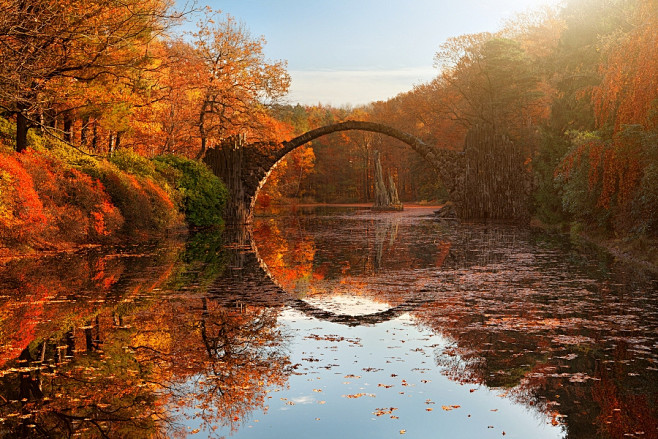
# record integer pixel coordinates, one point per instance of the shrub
(203, 193)
(145, 205)
(78, 206)
(129, 161)
(22, 214)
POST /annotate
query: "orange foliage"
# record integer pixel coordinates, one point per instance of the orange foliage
(77, 205)
(614, 169)
(628, 93)
(22, 213)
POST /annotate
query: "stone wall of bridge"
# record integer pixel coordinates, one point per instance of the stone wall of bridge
(486, 180)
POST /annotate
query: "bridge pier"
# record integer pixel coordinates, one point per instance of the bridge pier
(242, 168)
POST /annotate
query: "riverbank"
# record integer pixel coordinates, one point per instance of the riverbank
(54, 198)
(642, 252)
(639, 252)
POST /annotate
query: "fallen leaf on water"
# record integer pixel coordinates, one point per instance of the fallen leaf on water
(384, 411)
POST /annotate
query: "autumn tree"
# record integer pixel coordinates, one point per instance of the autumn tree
(628, 91)
(165, 120)
(610, 180)
(491, 80)
(47, 41)
(237, 83)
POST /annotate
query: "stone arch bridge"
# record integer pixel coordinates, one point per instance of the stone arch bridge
(485, 180)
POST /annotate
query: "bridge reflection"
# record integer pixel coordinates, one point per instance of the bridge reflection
(252, 282)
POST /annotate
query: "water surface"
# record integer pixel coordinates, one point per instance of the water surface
(329, 323)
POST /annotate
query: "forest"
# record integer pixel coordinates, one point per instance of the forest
(106, 107)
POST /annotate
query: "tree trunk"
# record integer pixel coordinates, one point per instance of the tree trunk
(84, 131)
(202, 152)
(68, 122)
(21, 132)
(94, 136)
(202, 132)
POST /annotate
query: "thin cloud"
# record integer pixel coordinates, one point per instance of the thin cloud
(353, 87)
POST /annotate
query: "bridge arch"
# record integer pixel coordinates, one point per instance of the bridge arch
(245, 168)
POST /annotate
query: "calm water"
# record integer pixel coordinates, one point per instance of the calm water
(331, 323)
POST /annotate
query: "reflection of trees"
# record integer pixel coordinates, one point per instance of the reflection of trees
(125, 376)
(214, 360)
(57, 315)
(118, 359)
(551, 330)
(289, 256)
(627, 403)
(60, 390)
(303, 255)
(38, 294)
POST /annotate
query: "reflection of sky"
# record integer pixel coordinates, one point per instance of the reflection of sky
(354, 361)
(347, 305)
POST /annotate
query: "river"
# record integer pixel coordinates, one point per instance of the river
(331, 322)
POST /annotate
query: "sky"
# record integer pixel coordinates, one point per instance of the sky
(352, 52)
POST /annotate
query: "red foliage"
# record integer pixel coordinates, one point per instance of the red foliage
(22, 215)
(78, 205)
